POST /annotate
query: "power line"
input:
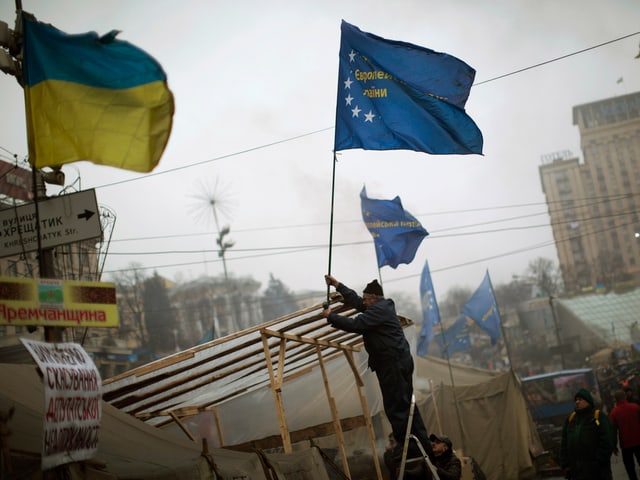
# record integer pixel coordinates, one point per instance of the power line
(555, 59)
(297, 137)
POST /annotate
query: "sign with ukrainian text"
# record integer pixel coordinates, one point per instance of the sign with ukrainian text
(59, 220)
(57, 303)
(72, 402)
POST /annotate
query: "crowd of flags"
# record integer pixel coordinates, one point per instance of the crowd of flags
(106, 101)
(395, 95)
(397, 235)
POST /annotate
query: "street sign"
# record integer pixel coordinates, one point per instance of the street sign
(63, 219)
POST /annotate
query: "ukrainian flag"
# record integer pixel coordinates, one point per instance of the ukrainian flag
(93, 98)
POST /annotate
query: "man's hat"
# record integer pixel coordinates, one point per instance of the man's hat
(441, 438)
(585, 395)
(373, 288)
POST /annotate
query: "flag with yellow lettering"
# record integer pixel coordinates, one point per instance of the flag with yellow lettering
(394, 95)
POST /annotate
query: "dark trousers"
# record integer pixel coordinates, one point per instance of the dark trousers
(396, 385)
(628, 460)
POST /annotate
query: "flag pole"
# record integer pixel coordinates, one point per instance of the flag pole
(333, 189)
(453, 389)
(502, 330)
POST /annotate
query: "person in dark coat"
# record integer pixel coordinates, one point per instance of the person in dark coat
(389, 355)
(445, 461)
(587, 441)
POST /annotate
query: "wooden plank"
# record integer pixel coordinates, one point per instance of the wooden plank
(304, 434)
(310, 341)
(334, 414)
(281, 361)
(216, 417)
(182, 427)
(277, 397)
(365, 411)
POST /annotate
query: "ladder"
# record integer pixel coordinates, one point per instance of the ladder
(408, 436)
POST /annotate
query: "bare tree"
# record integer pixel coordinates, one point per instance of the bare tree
(130, 288)
(454, 300)
(546, 275)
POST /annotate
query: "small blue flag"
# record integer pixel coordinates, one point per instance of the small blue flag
(393, 95)
(455, 338)
(396, 233)
(430, 312)
(482, 309)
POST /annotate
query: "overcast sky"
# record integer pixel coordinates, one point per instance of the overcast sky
(255, 87)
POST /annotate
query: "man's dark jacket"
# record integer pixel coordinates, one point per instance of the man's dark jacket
(379, 326)
(448, 466)
(587, 445)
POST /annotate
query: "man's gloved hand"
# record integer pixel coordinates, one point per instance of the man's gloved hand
(332, 281)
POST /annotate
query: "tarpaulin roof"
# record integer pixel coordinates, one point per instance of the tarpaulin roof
(213, 373)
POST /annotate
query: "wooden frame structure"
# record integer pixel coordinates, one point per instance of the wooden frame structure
(205, 377)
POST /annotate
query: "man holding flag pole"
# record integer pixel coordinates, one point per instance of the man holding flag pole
(393, 95)
(389, 357)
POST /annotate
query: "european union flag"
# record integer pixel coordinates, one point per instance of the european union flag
(483, 309)
(455, 338)
(396, 233)
(430, 312)
(393, 95)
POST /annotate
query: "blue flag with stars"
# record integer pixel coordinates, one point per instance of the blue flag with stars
(393, 95)
(396, 233)
(483, 309)
(430, 312)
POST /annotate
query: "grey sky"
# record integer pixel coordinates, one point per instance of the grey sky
(248, 74)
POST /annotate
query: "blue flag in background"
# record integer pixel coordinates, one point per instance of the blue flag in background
(430, 312)
(455, 338)
(393, 95)
(396, 233)
(483, 309)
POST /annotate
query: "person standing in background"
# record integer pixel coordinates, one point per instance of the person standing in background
(625, 422)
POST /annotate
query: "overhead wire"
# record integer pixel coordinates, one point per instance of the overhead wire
(296, 137)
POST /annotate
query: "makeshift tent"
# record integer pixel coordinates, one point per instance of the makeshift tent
(294, 379)
(484, 413)
(128, 448)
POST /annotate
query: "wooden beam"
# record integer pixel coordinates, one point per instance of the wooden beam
(310, 341)
(365, 411)
(277, 398)
(182, 427)
(334, 413)
(216, 417)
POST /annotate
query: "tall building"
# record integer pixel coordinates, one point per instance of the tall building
(594, 203)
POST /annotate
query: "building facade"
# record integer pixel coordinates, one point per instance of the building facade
(594, 203)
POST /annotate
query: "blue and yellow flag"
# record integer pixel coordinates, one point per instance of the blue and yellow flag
(393, 95)
(93, 98)
(396, 233)
(482, 308)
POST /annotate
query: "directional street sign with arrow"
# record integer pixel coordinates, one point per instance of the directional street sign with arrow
(63, 219)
